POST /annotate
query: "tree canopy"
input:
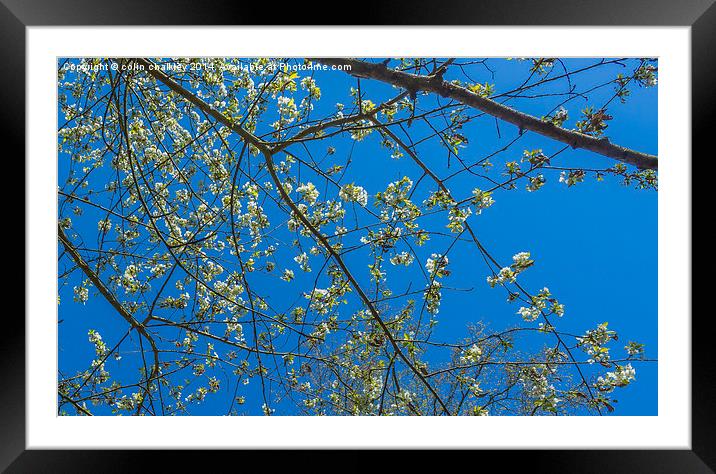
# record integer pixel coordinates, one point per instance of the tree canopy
(281, 235)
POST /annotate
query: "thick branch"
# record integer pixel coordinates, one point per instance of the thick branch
(437, 85)
(94, 278)
(111, 299)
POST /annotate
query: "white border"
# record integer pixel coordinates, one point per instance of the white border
(670, 429)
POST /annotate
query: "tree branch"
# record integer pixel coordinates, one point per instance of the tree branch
(437, 85)
(111, 299)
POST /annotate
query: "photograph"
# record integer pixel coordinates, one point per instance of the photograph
(343, 236)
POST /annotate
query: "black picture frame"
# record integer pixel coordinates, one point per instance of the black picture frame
(16, 15)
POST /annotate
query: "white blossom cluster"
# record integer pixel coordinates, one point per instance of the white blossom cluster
(308, 192)
(104, 225)
(402, 258)
(437, 265)
(521, 261)
(302, 261)
(481, 200)
(539, 304)
(471, 355)
(457, 217)
(594, 341)
(536, 383)
(622, 376)
(81, 293)
(353, 193)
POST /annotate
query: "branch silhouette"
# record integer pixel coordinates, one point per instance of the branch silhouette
(435, 83)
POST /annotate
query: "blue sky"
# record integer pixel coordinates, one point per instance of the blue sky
(595, 244)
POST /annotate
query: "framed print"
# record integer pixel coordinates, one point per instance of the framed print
(465, 227)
